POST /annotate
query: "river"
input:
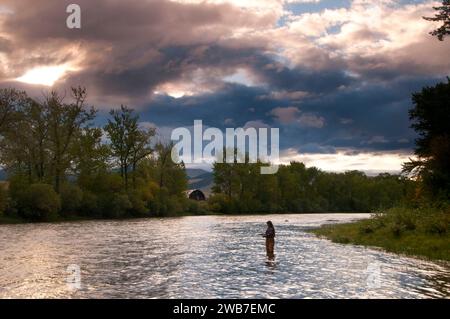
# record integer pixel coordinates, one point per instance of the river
(205, 257)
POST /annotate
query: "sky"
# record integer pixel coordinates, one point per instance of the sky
(335, 76)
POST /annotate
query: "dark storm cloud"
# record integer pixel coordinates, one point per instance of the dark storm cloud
(169, 63)
(371, 118)
(128, 47)
(157, 21)
(301, 79)
(365, 118)
(236, 102)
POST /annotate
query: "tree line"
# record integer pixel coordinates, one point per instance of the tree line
(59, 164)
(240, 188)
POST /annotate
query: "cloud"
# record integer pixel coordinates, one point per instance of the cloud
(375, 39)
(289, 115)
(378, 139)
(127, 49)
(285, 115)
(330, 76)
(256, 124)
(311, 120)
(345, 121)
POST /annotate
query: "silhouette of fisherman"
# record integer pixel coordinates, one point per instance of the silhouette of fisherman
(270, 240)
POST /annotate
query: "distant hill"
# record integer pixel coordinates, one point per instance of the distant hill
(200, 179)
(194, 172)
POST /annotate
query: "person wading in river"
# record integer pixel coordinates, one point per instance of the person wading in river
(270, 240)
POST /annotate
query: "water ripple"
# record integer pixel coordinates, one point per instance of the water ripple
(205, 257)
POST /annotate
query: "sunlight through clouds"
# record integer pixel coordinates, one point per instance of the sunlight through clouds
(45, 75)
(370, 162)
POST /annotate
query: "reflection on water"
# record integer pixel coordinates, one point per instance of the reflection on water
(205, 257)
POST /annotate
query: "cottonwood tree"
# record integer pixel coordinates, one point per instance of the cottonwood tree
(64, 123)
(226, 179)
(163, 163)
(24, 143)
(119, 130)
(10, 102)
(443, 16)
(141, 148)
(39, 137)
(129, 143)
(91, 155)
(168, 174)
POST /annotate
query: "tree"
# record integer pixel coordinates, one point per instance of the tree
(295, 188)
(443, 16)
(10, 102)
(64, 123)
(226, 179)
(25, 143)
(119, 131)
(129, 143)
(39, 202)
(162, 181)
(39, 138)
(168, 173)
(141, 148)
(57, 163)
(430, 116)
(91, 155)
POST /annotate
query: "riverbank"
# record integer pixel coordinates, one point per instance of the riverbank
(420, 232)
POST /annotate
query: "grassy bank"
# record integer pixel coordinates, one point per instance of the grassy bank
(422, 232)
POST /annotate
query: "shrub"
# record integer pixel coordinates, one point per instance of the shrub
(89, 205)
(400, 219)
(366, 228)
(341, 239)
(439, 227)
(114, 205)
(433, 219)
(103, 183)
(71, 199)
(138, 204)
(18, 184)
(173, 205)
(436, 222)
(222, 204)
(4, 198)
(121, 204)
(196, 207)
(396, 229)
(39, 202)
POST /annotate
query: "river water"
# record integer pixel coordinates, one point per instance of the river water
(205, 257)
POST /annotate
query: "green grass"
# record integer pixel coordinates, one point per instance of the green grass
(422, 232)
